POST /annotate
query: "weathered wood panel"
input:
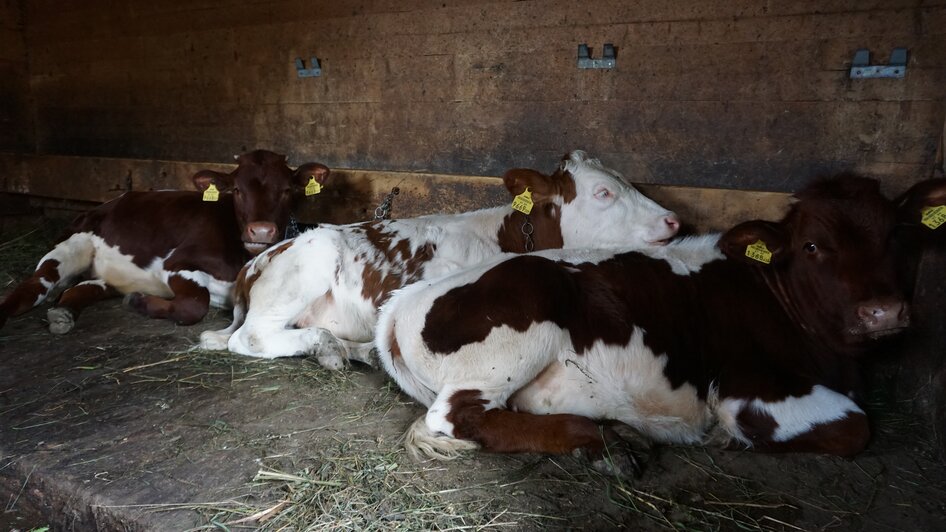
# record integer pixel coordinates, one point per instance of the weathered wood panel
(15, 129)
(742, 94)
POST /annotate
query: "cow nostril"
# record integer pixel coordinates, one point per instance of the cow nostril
(883, 313)
(871, 311)
(672, 223)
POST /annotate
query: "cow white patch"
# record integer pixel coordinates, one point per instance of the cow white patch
(624, 383)
(688, 254)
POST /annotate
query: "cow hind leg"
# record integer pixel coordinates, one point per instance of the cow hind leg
(62, 317)
(57, 268)
(188, 306)
(463, 419)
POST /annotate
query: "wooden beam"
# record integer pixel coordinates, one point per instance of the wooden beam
(352, 194)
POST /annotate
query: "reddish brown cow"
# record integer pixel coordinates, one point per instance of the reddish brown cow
(751, 338)
(174, 253)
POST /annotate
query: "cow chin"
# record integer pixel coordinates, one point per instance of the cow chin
(858, 335)
(659, 243)
(254, 248)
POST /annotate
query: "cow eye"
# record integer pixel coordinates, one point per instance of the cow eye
(603, 193)
(810, 247)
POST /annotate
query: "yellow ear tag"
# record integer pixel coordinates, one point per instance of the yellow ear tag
(759, 252)
(934, 217)
(312, 187)
(523, 202)
(211, 194)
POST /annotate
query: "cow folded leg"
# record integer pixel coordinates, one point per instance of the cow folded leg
(465, 415)
(57, 268)
(821, 421)
(62, 317)
(271, 340)
(188, 306)
(218, 340)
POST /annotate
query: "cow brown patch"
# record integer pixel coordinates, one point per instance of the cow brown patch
(244, 285)
(502, 431)
(400, 265)
(546, 233)
(24, 296)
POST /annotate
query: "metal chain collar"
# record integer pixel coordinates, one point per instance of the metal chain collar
(383, 212)
(527, 230)
(292, 230)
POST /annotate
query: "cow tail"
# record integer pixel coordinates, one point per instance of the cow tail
(422, 443)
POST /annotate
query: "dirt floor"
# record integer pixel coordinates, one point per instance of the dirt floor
(122, 425)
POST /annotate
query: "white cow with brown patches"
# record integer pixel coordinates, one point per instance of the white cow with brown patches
(320, 292)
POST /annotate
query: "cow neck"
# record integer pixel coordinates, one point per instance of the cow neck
(540, 229)
(777, 284)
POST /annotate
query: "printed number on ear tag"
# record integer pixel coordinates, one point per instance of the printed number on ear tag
(523, 202)
(934, 217)
(211, 194)
(312, 187)
(759, 252)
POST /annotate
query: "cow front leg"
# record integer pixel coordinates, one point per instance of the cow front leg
(465, 419)
(268, 340)
(62, 317)
(821, 421)
(189, 305)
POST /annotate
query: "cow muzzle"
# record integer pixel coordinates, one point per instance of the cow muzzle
(877, 318)
(258, 236)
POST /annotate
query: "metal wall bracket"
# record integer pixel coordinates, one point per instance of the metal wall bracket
(861, 68)
(608, 58)
(314, 69)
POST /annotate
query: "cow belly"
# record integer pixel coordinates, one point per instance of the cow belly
(622, 383)
(117, 269)
(343, 311)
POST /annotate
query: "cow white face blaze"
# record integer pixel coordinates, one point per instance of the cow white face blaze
(607, 211)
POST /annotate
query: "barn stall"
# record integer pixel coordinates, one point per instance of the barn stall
(718, 109)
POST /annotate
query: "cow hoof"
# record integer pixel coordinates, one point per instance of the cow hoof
(617, 460)
(133, 302)
(61, 320)
(214, 341)
(618, 465)
(331, 361)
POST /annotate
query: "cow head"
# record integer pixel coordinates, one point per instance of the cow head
(264, 190)
(593, 205)
(831, 260)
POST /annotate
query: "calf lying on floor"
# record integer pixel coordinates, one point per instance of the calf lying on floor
(174, 253)
(319, 292)
(750, 338)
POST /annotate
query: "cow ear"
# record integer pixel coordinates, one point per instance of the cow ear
(540, 185)
(924, 203)
(756, 242)
(307, 171)
(204, 178)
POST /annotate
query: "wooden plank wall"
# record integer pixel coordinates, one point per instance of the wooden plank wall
(750, 94)
(15, 127)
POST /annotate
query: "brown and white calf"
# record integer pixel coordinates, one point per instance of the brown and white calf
(749, 338)
(174, 253)
(319, 293)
